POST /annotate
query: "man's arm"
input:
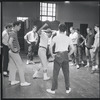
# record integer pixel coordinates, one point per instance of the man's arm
(39, 31)
(10, 45)
(51, 50)
(26, 38)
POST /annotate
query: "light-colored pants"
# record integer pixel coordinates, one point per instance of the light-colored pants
(94, 57)
(15, 63)
(43, 57)
(74, 56)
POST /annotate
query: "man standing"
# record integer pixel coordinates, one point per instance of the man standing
(44, 36)
(95, 50)
(74, 38)
(88, 43)
(80, 42)
(62, 45)
(32, 39)
(5, 56)
(15, 61)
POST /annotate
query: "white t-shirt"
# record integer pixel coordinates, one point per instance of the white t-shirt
(74, 37)
(31, 36)
(62, 42)
(5, 37)
(43, 39)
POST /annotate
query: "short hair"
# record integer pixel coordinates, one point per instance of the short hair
(62, 27)
(16, 23)
(9, 25)
(34, 26)
(96, 25)
(72, 27)
(78, 29)
(89, 28)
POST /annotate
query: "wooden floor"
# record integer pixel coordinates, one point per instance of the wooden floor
(83, 84)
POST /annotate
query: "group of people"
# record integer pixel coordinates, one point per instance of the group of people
(91, 45)
(65, 47)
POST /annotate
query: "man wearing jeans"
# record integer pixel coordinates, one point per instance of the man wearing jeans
(5, 56)
(95, 50)
(62, 43)
(74, 38)
(31, 38)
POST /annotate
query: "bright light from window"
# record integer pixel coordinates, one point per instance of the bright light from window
(22, 18)
(47, 11)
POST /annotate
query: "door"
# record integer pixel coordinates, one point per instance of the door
(21, 37)
(83, 28)
(68, 25)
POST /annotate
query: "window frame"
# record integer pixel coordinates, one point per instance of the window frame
(47, 15)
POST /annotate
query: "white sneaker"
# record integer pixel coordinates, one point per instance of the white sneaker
(86, 65)
(35, 75)
(14, 82)
(67, 91)
(82, 62)
(77, 66)
(4, 73)
(27, 62)
(93, 68)
(46, 78)
(50, 91)
(25, 84)
(96, 67)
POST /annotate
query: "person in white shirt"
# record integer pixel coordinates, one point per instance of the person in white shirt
(5, 57)
(62, 46)
(31, 38)
(95, 50)
(44, 37)
(74, 38)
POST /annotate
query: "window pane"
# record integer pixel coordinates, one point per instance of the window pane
(50, 18)
(49, 9)
(50, 5)
(44, 4)
(44, 18)
(53, 13)
(49, 13)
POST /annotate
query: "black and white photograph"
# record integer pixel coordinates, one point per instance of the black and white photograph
(49, 49)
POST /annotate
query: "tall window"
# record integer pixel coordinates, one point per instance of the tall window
(47, 11)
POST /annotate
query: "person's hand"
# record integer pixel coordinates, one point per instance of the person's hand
(53, 56)
(29, 42)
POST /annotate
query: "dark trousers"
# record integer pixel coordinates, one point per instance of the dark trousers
(5, 58)
(31, 50)
(61, 61)
(80, 54)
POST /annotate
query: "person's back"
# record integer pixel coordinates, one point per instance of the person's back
(62, 42)
(61, 60)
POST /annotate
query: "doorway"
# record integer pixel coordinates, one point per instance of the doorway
(68, 25)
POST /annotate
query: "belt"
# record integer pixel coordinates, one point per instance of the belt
(42, 47)
(60, 51)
